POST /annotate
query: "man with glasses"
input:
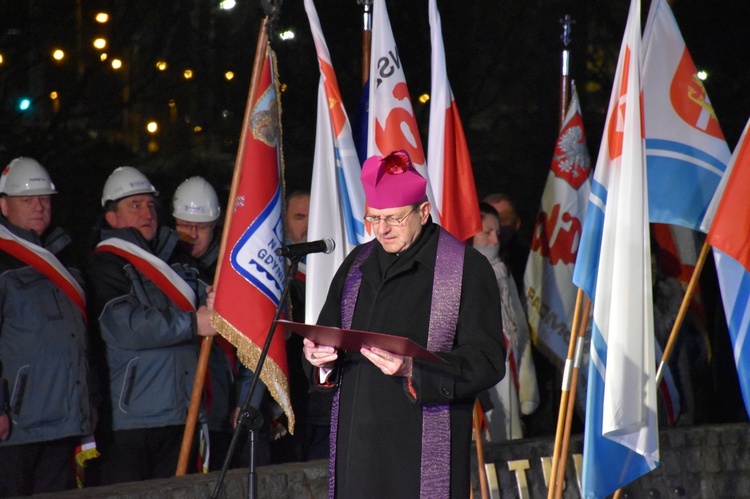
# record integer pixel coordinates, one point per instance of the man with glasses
(401, 426)
(196, 210)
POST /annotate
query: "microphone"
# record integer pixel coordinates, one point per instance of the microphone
(325, 245)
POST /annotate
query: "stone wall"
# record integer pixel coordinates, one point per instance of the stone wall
(701, 462)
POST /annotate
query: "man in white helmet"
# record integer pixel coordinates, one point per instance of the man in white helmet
(145, 294)
(196, 210)
(44, 394)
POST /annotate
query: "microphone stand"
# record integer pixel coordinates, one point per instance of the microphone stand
(249, 417)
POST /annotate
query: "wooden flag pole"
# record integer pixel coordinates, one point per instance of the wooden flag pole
(683, 310)
(563, 462)
(483, 487)
(200, 374)
(564, 82)
(564, 399)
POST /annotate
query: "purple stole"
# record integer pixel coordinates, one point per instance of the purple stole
(446, 299)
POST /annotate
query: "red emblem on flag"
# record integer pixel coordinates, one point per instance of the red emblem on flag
(690, 100)
(571, 159)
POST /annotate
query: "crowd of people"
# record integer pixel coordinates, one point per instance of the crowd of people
(103, 347)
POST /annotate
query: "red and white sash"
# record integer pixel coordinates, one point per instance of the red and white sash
(159, 272)
(45, 262)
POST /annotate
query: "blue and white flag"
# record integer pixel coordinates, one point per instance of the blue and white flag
(686, 151)
(732, 256)
(613, 266)
(337, 199)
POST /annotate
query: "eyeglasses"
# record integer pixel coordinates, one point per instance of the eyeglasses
(390, 221)
(198, 227)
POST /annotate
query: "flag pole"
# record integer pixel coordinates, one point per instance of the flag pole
(683, 310)
(200, 375)
(366, 38)
(573, 381)
(564, 399)
(483, 487)
(566, 22)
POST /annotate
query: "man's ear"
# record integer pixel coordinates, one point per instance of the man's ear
(4, 206)
(111, 218)
(424, 211)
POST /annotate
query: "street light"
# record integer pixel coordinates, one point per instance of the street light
(116, 63)
(229, 75)
(151, 128)
(100, 43)
(188, 74)
(101, 17)
(24, 104)
(55, 101)
(161, 65)
(58, 54)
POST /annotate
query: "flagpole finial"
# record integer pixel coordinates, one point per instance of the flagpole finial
(367, 11)
(272, 9)
(567, 23)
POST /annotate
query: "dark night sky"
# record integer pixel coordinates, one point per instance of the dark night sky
(503, 61)
(503, 65)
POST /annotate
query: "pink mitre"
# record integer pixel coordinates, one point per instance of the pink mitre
(392, 181)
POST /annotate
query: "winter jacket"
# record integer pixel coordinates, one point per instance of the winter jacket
(43, 349)
(149, 343)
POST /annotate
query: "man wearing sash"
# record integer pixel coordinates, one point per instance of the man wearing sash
(401, 427)
(44, 394)
(144, 295)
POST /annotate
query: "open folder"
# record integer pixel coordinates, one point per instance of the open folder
(353, 340)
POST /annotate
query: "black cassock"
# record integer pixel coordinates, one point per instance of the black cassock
(379, 441)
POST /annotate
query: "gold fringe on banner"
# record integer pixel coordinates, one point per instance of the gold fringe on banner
(249, 354)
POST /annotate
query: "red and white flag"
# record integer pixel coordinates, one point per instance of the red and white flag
(548, 286)
(251, 278)
(391, 123)
(448, 161)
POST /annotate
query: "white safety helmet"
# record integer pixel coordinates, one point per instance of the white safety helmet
(26, 177)
(126, 181)
(195, 201)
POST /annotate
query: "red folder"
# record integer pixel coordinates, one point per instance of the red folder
(353, 340)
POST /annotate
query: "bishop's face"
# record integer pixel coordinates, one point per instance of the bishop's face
(399, 227)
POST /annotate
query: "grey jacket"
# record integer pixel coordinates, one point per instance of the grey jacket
(43, 352)
(150, 346)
